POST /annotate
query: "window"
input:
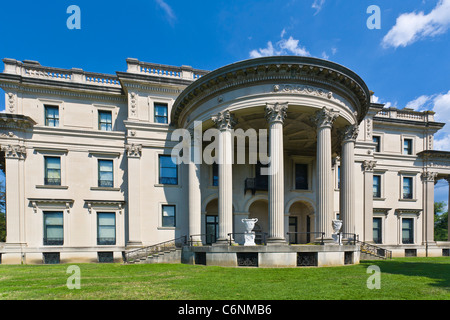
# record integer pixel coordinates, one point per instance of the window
(301, 176)
(377, 140)
(52, 171)
(168, 216)
(407, 231)
(53, 229)
(51, 257)
(168, 171)
(377, 186)
(105, 120)
(106, 228)
(51, 116)
(407, 188)
(407, 146)
(105, 257)
(212, 229)
(215, 174)
(105, 173)
(377, 230)
(339, 178)
(161, 113)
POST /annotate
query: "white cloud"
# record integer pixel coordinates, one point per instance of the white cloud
(325, 56)
(419, 103)
(283, 33)
(168, 10)
(318, 4)
(411, 27)
(283, 47)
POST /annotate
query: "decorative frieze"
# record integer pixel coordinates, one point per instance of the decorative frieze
(276, 112)
(133, 150)
(224, 120)
(11, 102)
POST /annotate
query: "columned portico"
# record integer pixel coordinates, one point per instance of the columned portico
(428, 179)
(324, 120)
(225, 122)
(275, 114)
(347, 189)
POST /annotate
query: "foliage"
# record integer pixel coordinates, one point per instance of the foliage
(440, 222)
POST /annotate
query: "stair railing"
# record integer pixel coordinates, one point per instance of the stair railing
(140, 253)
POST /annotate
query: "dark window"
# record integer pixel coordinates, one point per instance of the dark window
(339, 177)
(376, 186)
(51, 257)
(53, 229)
(105, 257)
(377, 140)
(106, 228)
(52, 116)
(407, 230)
(301, 176)
(105, 120)
(52, 171)
(212, 229)
(161, 113)
(168, 216)
(215, 174)
(377, 230)
(105, 173)
(407, 188)
(407, 146)
(168, 172)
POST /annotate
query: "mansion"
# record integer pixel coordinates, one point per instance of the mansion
(90, 175)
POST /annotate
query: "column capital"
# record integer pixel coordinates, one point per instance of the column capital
(349, 133)
(325, 117)
(14, 151)
(369, 165)
(134, 150)
(224, 120)
(428, 176)
(276, 112)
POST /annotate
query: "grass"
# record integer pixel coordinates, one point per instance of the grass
(401, 278)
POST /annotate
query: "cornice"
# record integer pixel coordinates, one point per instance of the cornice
(277, 70)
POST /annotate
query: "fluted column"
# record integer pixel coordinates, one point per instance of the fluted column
(225, 123)
(194, 188)
(275, 115)
(347, 188)
(428, 179)
(368, 167)
(324, 120)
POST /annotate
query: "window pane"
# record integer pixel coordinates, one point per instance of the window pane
(168, 172)
(106, 228)
(377, 141)
(407, 188)
(51, 116)
(105, 120)
(161, 113)
(407, 230)
(376, 186)
(168, 216)
(377, 230)
(301, 176)
(53, 228)
(52, 163)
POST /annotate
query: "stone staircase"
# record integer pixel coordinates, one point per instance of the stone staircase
(165, 252)
(373, 252)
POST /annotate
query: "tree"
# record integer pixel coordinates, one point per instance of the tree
(440, 222)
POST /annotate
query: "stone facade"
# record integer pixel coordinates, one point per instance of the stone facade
(87, 177)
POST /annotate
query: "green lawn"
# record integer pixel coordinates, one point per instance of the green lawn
(402, 278)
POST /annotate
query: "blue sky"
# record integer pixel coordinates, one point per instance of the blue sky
(405, 62)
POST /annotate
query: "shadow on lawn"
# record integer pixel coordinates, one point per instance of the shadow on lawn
(432, 270)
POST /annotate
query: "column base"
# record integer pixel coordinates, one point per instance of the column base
(276, 241)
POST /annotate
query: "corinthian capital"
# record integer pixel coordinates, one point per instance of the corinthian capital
(276, 112)
(14, 151)
(428, 176)
(369, 165)
(224, 120)
(325, 117)
(133, 150)
(349, 133)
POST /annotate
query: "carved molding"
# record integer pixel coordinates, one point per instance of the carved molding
(134, 150)
(133, 104)
(325, 117)
(224, 120)
(11, 102)
(276, 112)
(14, 151)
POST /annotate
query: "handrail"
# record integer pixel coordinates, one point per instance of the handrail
(140, 253)
(375, 250)
(322, 235)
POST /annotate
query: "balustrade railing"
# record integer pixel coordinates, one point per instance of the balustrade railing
(306, 237)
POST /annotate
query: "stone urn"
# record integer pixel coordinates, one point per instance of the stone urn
(337, 226)
(249, 235)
